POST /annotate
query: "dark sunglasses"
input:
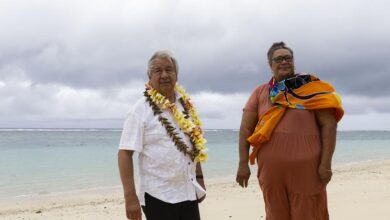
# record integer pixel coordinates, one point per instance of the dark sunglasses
(297, 81)
(280, 59)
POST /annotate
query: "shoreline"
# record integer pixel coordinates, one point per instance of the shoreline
(357, 191)
(211, 180)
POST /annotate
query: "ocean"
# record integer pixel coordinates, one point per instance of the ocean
(36, 162)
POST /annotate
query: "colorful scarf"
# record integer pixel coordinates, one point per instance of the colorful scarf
(299, 92)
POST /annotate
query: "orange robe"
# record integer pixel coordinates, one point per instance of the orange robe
(288, 159)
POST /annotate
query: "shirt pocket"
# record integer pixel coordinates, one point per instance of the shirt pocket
(156, 137)
(155, 133)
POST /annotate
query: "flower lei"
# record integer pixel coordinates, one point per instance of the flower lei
(189, 122)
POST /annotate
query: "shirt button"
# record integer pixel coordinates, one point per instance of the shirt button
(192, 179)
(189, 163)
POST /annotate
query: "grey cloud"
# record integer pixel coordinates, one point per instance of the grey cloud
(63, 123)
(360, 105)
(220, 45)
(221, 50)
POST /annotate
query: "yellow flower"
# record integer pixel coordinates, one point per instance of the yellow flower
(199, 146)
(201, 157)
(191, 125)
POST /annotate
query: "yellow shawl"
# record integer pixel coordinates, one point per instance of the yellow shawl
(311, 96)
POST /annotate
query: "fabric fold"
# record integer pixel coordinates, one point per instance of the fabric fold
(313, 95)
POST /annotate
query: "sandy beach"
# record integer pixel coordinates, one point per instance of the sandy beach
(358, 192)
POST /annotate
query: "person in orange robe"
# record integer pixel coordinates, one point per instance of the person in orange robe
(291, 124)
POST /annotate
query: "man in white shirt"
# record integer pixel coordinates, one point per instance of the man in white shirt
(170, 178)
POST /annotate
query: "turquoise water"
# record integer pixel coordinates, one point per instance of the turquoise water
(40, 162)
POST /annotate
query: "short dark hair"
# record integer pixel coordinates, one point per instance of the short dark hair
(276, 46)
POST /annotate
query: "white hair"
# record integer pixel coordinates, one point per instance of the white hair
(165, 54)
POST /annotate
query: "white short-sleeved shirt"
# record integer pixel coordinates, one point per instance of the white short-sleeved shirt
(164, 171)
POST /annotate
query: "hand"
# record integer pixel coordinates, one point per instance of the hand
(201, 199)
(325, 174)
(133, 208)
(201, 182)
(243, 174)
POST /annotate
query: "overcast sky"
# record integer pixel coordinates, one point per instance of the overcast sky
(74, 63)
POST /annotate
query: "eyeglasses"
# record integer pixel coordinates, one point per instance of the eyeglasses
(297, 81)
(280, 59)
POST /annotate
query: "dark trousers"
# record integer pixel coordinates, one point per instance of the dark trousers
(156, 209)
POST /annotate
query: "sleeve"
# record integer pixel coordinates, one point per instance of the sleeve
(132, 133)
(252, 105)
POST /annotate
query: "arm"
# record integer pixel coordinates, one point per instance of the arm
(125, 163)
(199, 178)
(328, 128)
(248, 125)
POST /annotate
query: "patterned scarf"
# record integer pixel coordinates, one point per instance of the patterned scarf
(299, 92)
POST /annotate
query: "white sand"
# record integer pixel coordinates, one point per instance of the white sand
(357, 192)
